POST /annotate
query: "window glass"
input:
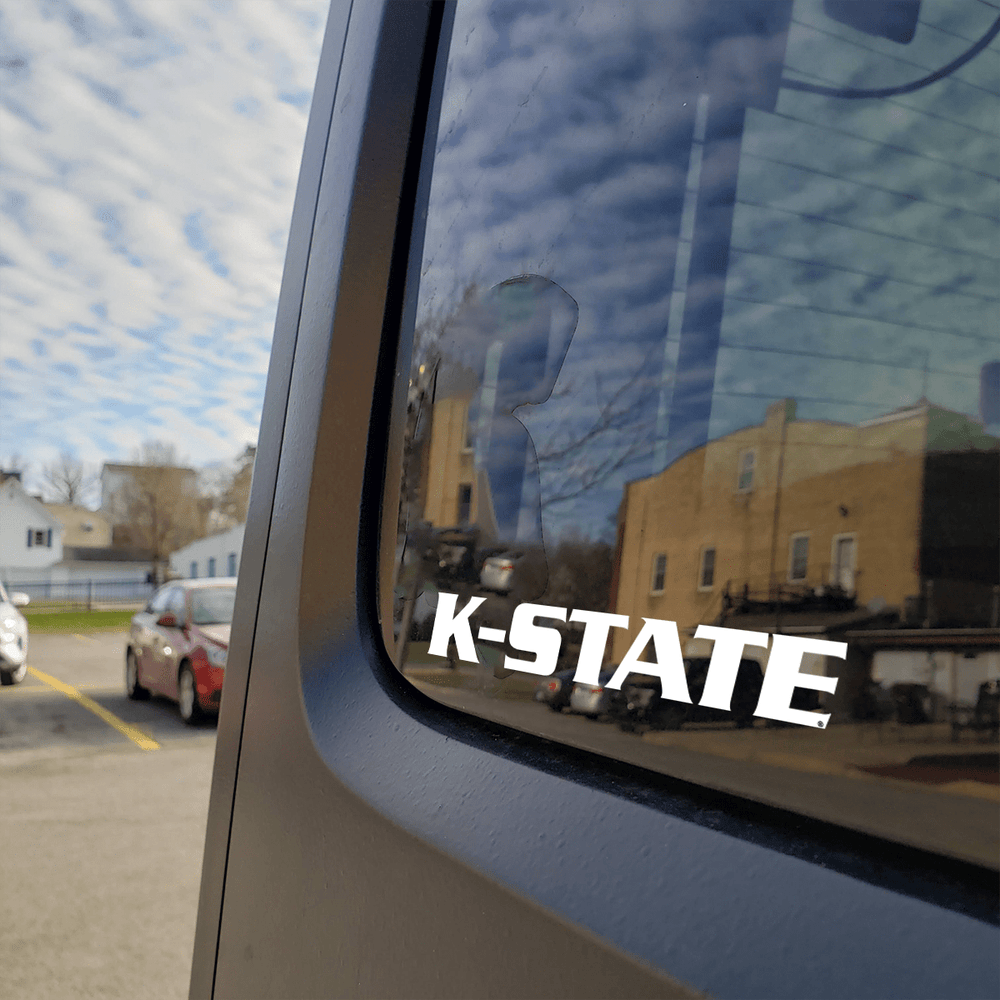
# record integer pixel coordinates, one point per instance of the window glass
(211, 566)
(670, 245)
(194, 571)
(231, 564)
(159, 601)
(659, 573)
(212, 605)
(177, 605)
(706, 578)
(798, 558)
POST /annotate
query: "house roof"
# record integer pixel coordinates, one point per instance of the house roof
(13, 487)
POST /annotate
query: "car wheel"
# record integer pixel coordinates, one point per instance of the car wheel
(14, 676)
(187, 696)
(133, 688)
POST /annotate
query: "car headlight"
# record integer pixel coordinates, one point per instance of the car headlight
(217, 656)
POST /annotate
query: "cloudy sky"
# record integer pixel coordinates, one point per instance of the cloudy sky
(862, 269)
(150, 150)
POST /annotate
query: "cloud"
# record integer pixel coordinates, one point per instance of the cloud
(863, 268)
(150, 158)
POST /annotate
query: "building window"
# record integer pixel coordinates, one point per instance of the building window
(41, 538)
(706, 575)
(469, 438)
(842, 562)
(659, 577)
(211, 565)
(464, 503)
(744, 479)
(798, 557)
(194, 571)
(231, 564)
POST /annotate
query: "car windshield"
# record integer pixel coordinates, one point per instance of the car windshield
(213, 606)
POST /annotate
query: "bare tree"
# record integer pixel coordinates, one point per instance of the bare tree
(67, 480)
(160, 503)
(225, 488)
(572, 461)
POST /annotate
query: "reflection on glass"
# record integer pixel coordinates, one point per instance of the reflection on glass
(707, 335)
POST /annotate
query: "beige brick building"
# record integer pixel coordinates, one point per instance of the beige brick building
(786, 506)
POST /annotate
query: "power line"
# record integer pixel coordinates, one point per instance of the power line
(869, 184)
(953, 34)
(795, 352)
(913, 108)
(816, 217)
(862, 317)
(907, 88)
(775, 397)
(889, 145)
(852, 270)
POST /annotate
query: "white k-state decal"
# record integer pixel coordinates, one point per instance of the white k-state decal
(781, 675)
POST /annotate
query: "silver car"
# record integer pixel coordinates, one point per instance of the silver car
(13, 637)
(592, 700)
(498, 572)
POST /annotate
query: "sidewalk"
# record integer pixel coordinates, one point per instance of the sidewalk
(874, 751)
(871, 751)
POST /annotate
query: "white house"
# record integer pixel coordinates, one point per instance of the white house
(36, 557)
(30, 537)
(217, 555)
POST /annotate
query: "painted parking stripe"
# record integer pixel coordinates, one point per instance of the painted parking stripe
(85, 638)
(135, 735)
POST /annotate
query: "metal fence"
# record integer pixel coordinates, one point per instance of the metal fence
(86, 593)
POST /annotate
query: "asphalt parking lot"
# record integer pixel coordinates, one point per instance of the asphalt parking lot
(103, 822)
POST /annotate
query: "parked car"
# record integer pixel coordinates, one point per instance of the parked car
(13, 637)
(555, 691)
(178, 645)
(497, 573)
(592, 700)
(643, 705)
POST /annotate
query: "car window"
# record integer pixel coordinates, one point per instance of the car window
(212, 605)
(177, 605)
(159, 601)
(712, 289)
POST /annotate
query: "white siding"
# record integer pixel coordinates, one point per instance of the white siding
(218, 547)
(19, 513)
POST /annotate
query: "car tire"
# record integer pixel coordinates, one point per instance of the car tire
(133, 688)
(15, 675)
(187, 696)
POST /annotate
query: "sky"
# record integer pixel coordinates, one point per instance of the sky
(861, 237)
(149, 153)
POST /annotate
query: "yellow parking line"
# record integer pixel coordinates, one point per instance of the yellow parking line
(134, 734)
(85, 638)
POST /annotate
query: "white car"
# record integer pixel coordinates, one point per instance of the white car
(13, 638)
(498, 572)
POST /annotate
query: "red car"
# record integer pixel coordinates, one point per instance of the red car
(177, 646)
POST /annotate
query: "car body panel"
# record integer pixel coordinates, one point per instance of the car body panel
(13, 633)
(364, 840)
